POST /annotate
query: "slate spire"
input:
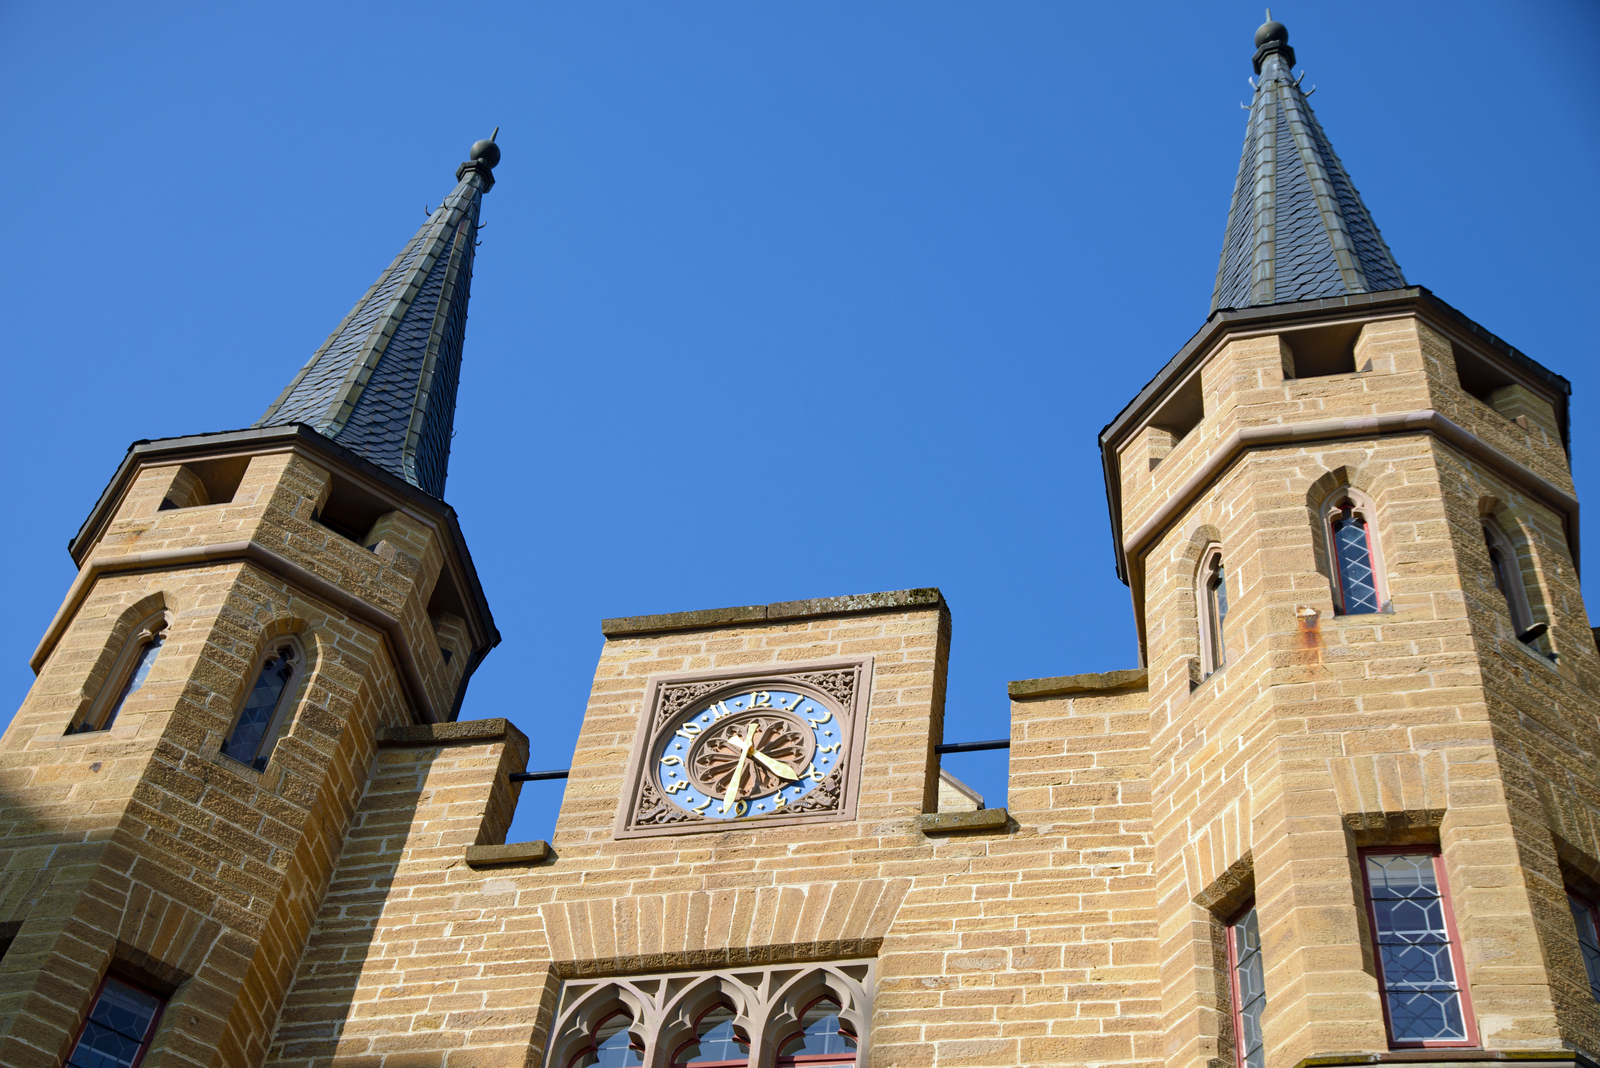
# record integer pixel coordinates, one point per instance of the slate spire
(384, 383)
(1297, 229)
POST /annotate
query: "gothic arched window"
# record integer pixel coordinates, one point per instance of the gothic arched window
(716, 1041)
(1506, 566)
(1211, 591)
(265, 711)
(614, 1045)
(823, 1038)
(127, 675)
(1353, 552)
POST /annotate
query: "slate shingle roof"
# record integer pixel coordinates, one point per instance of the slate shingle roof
(1297, 229)
(384, 383)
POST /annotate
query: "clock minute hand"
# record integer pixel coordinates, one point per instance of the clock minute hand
(778, 767)
(738, 771)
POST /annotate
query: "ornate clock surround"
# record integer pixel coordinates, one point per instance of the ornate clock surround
(840, 686)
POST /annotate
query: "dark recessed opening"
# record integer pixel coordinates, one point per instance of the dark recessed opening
(350, 510)
(446, 598)
(1320, 351)
(220, 477)
(1182, 411)
(1479, 375)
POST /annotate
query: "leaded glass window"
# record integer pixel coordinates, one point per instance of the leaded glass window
(1249, 989)
(615, 1045)
(256, 730)
(1353, 559)
(822, 1038)
(1419, 964)
(1213, 592)
(1583, 913)
(119, 1027)
(716, 1041)
(141, 671)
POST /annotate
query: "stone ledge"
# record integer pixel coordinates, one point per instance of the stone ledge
(1094, 682)
(626, 626)
(488, 856)
(1524, 1057)
(471, 730)
(984, 819)
(792, 953)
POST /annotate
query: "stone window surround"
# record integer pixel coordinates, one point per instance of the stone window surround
(288, 704)
(1364, 507)
(768, 1002)
(1516, 593)
(1213, 650)
(153, 624)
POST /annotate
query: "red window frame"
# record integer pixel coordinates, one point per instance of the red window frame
(1338, 571)
(1469, 1022)
(1594, 918)
(802, 1059)
(150, 1032)
(1233, 981)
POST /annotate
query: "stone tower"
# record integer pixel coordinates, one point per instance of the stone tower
(1346, 515)
(252, 608)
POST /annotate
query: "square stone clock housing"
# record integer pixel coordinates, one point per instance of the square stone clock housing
(778, 744)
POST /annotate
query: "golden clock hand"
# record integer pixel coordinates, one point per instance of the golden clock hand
(778, 767)
(738, 771)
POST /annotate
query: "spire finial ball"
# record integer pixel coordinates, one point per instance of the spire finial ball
(486, 151)
(1272, 30)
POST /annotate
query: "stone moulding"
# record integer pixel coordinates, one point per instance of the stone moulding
(1067, 685)
(629, 626)
(252, 552)
(488, 856)
(984, 819)
(843, 685)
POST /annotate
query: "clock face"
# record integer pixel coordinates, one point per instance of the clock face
(774, 745)
(753, 753)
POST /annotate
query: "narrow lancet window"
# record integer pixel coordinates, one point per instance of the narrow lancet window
(1418, 952)
(1354, 559)
(1213, 596)
(261, 720)
(1588, 921)
(129, 674)
(1507, 571)
(1249, 989)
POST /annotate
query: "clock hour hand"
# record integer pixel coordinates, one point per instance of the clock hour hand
(738, 771)
(777, 767)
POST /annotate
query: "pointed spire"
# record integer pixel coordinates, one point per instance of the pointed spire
(384, 383)
(1297, 229)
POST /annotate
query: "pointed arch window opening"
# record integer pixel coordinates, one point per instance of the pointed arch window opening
(823, 1038)
(1357, 582)
(614, 1045)
(127, 676)
(1212, 592)
(263, 718)
(1505, 566)
(717, 1042)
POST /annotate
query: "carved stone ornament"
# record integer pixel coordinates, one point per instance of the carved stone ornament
(766, 746)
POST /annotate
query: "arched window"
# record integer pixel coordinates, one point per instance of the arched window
(1353, 552)
(716, 1041)
(1507, 569)
(823, 1037)
(614, 1045)
(265, 711)
(127, 675)
(1211, 592)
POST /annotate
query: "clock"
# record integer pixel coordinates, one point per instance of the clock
(719, 751)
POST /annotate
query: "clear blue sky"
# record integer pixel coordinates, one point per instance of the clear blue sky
(892, 263)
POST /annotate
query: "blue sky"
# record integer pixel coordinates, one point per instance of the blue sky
(889, 264)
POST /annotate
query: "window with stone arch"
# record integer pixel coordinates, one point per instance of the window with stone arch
(265, 716)
(1355, 558)
(1505, 566)
(127, 674)
(1211, 598)
(771, 1016)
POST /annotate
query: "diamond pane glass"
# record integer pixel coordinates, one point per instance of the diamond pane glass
(1250, 989)
(1588, 940)
(1356, 579)
(245, 744)
(118, 1025)
(1414, 951)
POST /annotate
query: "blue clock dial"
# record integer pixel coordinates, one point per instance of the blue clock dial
(752, 754)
